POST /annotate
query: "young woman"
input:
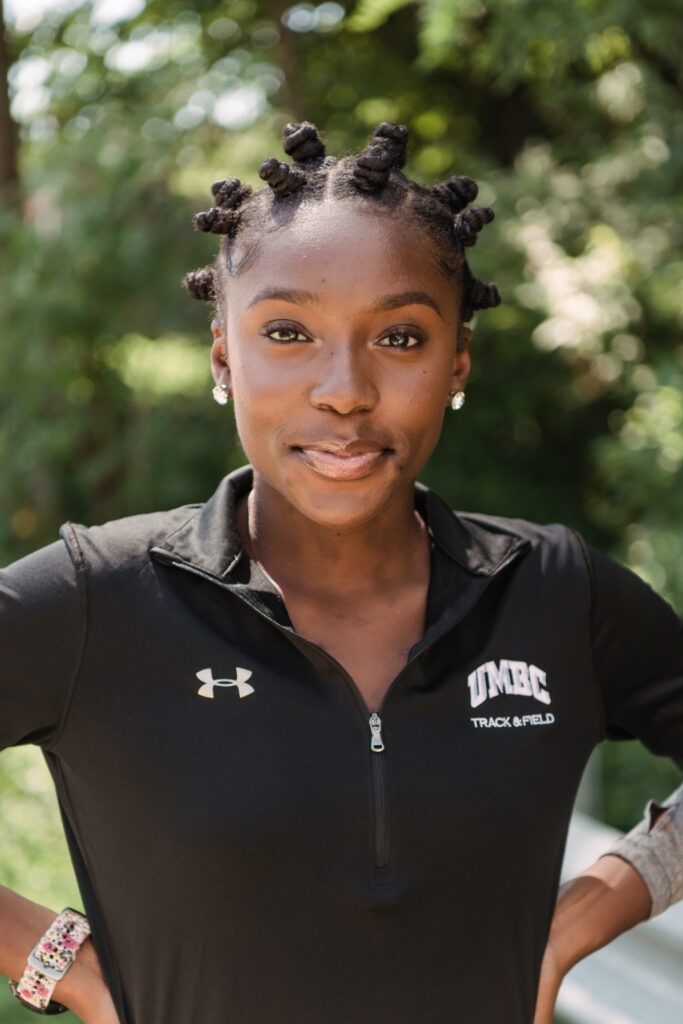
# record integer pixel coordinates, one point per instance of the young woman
(316, 742)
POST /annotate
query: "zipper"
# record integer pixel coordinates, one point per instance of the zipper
(376, 742)
(381, 844)
(381, 838)
(167, 558)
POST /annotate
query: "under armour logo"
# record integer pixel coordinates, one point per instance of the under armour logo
(240, 681)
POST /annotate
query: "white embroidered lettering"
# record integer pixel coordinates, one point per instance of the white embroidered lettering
(505, 721)
(507, 677)
(477, 689)
(520, 678)
(537, 680)
(499, 678)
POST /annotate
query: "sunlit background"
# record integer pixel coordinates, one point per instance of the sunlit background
(123, 113)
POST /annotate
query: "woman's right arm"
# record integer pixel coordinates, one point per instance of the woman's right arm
(82, 989)
(42, 623)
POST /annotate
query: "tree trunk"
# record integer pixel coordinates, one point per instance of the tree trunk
(9, 175)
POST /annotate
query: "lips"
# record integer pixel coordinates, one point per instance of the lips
(343, 460)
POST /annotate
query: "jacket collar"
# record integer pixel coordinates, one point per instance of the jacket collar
(209, 539)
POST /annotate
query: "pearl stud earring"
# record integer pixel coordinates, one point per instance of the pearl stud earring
(457, 400)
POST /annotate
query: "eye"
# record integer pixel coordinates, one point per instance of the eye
(286, 334)
(400, 339)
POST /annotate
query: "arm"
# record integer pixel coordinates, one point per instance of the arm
(592, 909)
(639, 877)
(637, 644)
(655, 849)
(41, 632)
(82, 988)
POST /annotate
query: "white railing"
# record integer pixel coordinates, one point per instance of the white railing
(638, 979)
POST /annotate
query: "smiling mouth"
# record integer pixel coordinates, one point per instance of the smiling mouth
(343, 463)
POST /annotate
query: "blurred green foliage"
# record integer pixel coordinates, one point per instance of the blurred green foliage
(568, 115)
(33, 854)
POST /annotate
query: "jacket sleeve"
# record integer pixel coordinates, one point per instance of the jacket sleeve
(655, 849)
(42, 625)
(638, 660)
(637, 643)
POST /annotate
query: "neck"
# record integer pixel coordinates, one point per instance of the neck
(303, 555)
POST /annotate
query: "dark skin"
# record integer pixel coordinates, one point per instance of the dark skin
(338, 407)
(350, 557)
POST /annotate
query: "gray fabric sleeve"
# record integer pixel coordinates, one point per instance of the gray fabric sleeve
(656, 850)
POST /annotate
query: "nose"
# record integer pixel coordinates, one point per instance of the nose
(344, 381)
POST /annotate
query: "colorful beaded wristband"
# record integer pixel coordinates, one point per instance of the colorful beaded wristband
(49, 961)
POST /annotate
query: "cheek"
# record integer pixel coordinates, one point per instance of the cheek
(421, 389)
(259, 370)
(425, 404)
(414, 404)
(265, 398)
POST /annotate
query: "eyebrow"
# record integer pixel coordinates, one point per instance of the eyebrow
(388, 302)
(399, 299)
(298, 298)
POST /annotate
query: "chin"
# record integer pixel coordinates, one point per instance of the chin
(345, 505)
(295, 486)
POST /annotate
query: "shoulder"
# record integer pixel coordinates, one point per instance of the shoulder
(537, 534)
(545, 545)
(484, 544)
(122, 544)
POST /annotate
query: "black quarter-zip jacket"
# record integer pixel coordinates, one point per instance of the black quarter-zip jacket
(252, 846)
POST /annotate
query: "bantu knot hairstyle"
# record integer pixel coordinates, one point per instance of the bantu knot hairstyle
(468, 225)
(385, 151)
(302, 142)
(201, 285)
(222, 219)
(373, 176)
(457, 193)
(483, 296)
(229, 193)
(395, 139)
(282, 178)
(217, 221)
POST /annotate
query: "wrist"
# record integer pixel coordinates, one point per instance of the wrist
(49, 961)
(81, 987)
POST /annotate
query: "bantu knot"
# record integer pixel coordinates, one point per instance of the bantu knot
(201, 284)
(216, 220)
(373, 168)
(386, 149)
(395, 137)
(229, 193)
(469, 224)
(301, 141)
(282, 178)
(483, 296)
(457, 192)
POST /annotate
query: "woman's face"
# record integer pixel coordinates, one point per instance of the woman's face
(339, 345)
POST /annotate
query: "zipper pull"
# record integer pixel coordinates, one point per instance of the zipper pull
(376, 743)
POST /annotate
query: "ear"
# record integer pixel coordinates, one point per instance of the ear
(461, 363)
(219, 354)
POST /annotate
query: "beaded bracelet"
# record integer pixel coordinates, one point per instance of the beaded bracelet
(49, 961)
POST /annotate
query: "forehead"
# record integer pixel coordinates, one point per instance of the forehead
(345, 246)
